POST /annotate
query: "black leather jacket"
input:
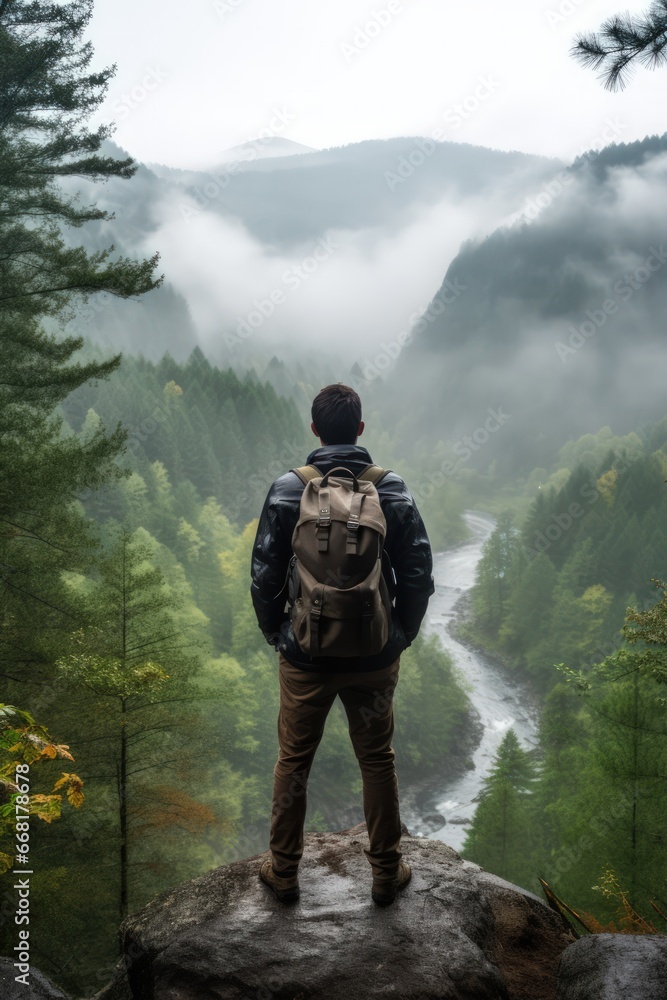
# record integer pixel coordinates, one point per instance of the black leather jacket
(406, 544)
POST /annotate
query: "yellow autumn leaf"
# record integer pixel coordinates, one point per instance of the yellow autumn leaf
(75, 796)
(46, 807)
(73, 785)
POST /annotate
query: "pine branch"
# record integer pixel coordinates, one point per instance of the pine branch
(623, 40)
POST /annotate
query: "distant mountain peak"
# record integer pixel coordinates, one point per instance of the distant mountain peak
(264, 148)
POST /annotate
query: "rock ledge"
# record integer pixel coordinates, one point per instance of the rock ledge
(455, 932)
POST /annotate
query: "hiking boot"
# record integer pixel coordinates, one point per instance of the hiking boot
(285, 889)
(384, 892)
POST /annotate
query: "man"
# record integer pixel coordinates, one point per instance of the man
(309, 685)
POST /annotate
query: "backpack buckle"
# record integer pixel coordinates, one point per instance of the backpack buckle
(315, 615)
(323, 538)
(352, 534)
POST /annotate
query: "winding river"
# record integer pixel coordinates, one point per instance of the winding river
(499, 700)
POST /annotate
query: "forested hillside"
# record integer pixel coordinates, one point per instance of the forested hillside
(556, 317)
(585, 810)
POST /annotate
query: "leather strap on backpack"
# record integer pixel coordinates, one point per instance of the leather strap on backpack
(306, 473)
(371, 474)
(353, 523)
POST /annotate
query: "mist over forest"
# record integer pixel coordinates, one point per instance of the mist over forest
(501, 315)
(485, 279)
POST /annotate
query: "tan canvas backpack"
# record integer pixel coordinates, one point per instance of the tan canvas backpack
(340, 603)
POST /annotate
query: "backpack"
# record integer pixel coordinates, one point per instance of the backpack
(339, 597)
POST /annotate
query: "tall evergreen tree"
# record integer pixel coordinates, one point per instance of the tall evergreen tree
(502, 833)
(131, 661)
(47, 93)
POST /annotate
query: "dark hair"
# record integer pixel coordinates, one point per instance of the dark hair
(336, 413)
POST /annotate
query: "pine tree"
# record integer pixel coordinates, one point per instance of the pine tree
(47, 93)
(529, 607)
(501, 836)
(130, 663)
(500, 559)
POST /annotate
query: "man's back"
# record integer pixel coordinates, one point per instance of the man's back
(406, 545)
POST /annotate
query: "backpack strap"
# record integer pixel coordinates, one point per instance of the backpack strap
(373, 474)
(306, 473)
(353, 523)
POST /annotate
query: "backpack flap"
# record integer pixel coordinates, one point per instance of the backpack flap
(343, 608)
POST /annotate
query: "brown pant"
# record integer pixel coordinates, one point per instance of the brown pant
(306, 697)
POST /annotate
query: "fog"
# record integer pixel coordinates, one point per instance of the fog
(561, 320)
(336, 259)
(337, 251)
(361, 291)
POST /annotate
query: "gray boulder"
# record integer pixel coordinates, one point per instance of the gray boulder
(38, 987)
(614, 967)
(454, 932)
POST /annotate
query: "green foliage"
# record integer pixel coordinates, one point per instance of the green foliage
(584, 549)
(503, 830)
(24, 743)
(223, 439)
(47, 93)
(431, 709)
(602, 786)
(649, 628)
(495, 575)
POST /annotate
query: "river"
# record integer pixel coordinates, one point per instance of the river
(500, 700)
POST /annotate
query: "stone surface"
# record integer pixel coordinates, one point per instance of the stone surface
(455, 932)
(38, 988)
(614, 967)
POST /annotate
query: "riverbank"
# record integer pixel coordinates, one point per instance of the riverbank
(457, 629)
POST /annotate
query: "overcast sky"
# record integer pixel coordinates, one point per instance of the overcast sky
(195, 79)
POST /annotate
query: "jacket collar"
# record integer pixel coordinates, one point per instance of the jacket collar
(331, 455)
